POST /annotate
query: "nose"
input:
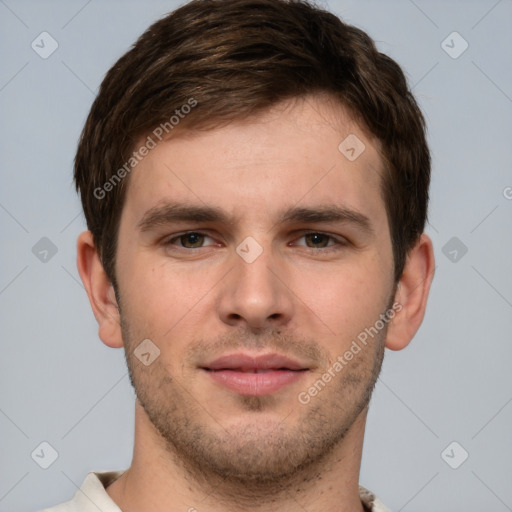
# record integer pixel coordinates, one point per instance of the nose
(256, 294)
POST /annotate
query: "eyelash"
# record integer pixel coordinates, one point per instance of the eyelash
(339, 243)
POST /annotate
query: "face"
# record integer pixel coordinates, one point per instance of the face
(252, 257)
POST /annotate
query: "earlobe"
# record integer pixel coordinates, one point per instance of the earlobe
(412, 294)
(99, 290)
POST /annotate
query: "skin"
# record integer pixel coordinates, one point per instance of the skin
(198, 444)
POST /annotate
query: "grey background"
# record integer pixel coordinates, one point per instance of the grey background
(61, 385)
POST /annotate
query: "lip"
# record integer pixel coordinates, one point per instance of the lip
(255, 375)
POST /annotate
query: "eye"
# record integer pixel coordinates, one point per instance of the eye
(313, 240)
(318, 240)
(190, 240)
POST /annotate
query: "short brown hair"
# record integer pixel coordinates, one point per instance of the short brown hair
(235, 58)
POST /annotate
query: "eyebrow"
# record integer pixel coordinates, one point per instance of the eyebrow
(168, 213)
(329, 213)
(180, 212)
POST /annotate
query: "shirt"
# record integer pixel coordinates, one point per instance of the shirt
(92, 496)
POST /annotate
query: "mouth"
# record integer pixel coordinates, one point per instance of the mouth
(254, 375)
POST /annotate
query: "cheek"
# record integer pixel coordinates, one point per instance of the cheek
(344, 302)
(162, 299)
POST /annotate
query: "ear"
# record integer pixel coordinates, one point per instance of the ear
(412, 294)
(99, 290)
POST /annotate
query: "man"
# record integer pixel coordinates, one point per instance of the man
(254, 175)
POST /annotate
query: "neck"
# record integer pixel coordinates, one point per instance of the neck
(158, 481)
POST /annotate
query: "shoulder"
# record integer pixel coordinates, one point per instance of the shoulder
(91, 495)
(370, 501)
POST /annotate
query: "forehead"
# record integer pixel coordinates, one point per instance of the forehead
(308, 151)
